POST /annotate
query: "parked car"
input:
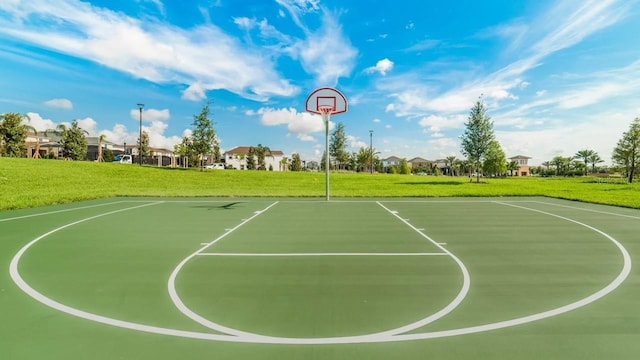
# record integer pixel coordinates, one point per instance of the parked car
(215, 166)
(123, 159)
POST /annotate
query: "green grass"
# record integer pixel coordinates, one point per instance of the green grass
(29, 183)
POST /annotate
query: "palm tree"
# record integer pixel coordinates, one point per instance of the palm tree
(450, 160)
(585, 155)
(31, 129)
(513, 166)
(101, 138)
(595, 159)
(561, 163)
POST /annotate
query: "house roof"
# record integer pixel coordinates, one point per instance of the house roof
(392, 158)
(418, 160)
(245, 150)
(520, 157)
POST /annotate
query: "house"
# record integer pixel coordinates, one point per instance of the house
(237, 158)
(419, 163)
(92, 147)
(390, 161)
(523, 165)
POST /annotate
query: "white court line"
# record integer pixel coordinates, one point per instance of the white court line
(589, 210)
(17, 279)
(61, 211)
(344, 339)
(175, 298)
(319, 254)
(466, 283)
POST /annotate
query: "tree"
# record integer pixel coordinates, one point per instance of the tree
(73, 140)
(108, 155)
(185, 152)
(338, 145)
(495, 161)
(403, 167)
(561, 163)
(594, 160)
(261, 152)
(513, 166)
(101, 138)
(31, 129)
(13, 135)
(627, 151)
(296, 163)
(450, 160)
(204, 140)
(584, 155)
(251, 159)
(145, 144)
(477, 136)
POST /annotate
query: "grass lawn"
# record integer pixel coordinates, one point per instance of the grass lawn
(29, 183)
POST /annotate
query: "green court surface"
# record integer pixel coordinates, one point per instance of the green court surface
(203, 278)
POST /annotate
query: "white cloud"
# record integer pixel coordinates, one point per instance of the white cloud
(300, 124)
(442, 122)
(356, 143)
(572, 22)
(60, 103)
(150, 115)
(382, 67)
(39, 123)
(152, 50)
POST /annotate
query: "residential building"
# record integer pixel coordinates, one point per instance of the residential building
(523, 165)
(237, 158)
(419, 163)
(390, 161)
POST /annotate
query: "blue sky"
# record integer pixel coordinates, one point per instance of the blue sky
(556, 76)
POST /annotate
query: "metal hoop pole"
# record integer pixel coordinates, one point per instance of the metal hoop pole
(325, 117)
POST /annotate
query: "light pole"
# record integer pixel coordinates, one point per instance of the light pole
(140, 106)
(371, 150)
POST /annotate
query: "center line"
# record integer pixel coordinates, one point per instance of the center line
(321, 254)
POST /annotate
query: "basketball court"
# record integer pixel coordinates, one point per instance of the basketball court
(462, 278)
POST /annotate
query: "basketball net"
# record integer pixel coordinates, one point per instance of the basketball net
(325, 109)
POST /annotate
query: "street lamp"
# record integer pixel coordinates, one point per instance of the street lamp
(140, 106)
(371, 150)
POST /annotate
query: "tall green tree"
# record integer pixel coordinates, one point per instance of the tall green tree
(296, 162)
(338, 145)
(627, 152)
(261, 152)
(561, 163)
(184, 150)
(73, 140)
(477, 136)
(145, 144)
(594, 160)
(450, 160)
(495, 161)
(13, 135)
(584, 155)
(251, 159)
(403, 167)
(204, 137)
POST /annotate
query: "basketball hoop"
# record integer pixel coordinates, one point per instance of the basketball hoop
(326, 102)
(326, 109)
